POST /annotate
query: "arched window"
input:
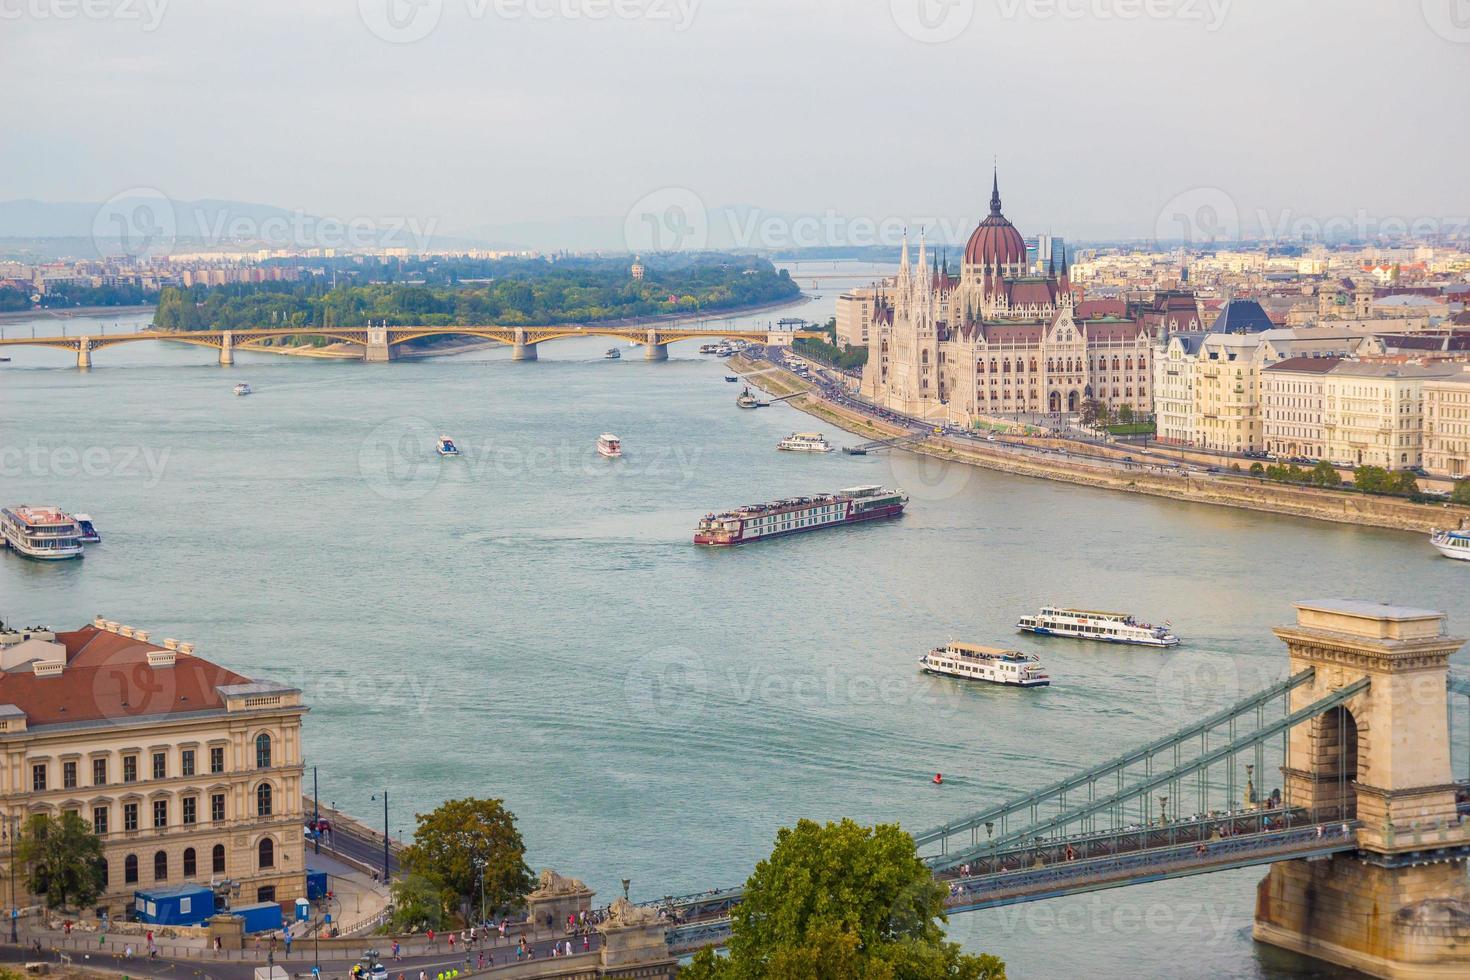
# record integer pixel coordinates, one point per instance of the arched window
(1115, 362)
(160, 866)
(263, 800)
(1033, 365)
(130, 869)
(262, 751)
(267, 851)
(217, 858)
(1128, 364)
(924, 359)
(190, 863)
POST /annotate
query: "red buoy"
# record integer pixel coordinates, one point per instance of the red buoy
(938, 778)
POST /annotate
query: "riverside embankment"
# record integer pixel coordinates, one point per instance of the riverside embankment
(1244, 492)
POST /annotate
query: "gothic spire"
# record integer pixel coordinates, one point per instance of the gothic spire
(995, 192)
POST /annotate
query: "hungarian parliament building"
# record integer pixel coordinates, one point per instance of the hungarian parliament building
(1002, 339)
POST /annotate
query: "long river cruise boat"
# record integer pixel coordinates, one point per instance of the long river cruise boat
(756, 522)
(1105, 627)
(41, 532)
(972, 662)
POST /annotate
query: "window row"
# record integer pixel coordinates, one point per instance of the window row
(188, 811)
(265, 860)
(101, 776)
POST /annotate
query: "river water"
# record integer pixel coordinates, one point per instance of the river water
(530, 621)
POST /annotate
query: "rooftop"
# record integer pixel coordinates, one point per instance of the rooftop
(1306, 365)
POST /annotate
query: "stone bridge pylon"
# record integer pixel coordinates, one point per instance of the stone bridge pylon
(1400, 905)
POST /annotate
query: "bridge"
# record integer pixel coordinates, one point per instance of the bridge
(1367, 826)
(381, 343)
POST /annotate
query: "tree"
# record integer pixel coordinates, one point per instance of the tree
(417, 904)
(1324, 474)
(1405, 484)
(455, 841)
(842, 901)
(1125, 414)
(1461, 493)
(1258, 469)
(1373, 479)
(62, 859)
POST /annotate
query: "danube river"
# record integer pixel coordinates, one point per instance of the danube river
(530, 621)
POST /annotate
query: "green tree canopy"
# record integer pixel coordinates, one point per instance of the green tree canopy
(418, 904)
(1461, 493)
(1324, 474)
(62, 858)
(452, 843)
(842, 901)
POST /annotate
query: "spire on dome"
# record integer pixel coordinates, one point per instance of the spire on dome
(995, 191)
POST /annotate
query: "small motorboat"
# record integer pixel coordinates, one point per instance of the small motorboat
(90, 534)
(709, 348)
(609, 445)
(243, 388)
(613, 354)
(732, 377)
(446, 447)
(747, 399)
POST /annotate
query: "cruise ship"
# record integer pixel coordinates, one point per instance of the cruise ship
(757, 522)
(805, 442)
(1452, 544)
(41, 532)
(971, 662)
(1105, 627)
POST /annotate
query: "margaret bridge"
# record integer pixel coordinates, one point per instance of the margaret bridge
(1366, 838)
(381, 343)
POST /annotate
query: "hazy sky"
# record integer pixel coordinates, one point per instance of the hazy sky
(1101, 112)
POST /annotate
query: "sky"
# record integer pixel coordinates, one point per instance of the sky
(672, 123)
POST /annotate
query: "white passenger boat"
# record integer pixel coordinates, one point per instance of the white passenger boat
(1452, 544)
(805, 442)
(243, 389)
(446, 447)
(992, 665)
(609, 445)
(613, 354)
(1105, 627)
(41, 532)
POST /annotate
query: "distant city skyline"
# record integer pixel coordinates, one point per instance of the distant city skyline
(677, 123)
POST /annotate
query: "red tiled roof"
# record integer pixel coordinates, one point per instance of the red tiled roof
(1307, 365)
(1101, 307)
(107, 678)
(1031, 292)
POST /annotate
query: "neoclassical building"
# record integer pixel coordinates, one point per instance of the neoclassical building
(1000, 339)
(189, 773)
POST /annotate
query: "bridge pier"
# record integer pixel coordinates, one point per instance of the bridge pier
(523, 350)
(1400, 905)
(226, 348)
(378, 350)
(84, 353)
(654, 350)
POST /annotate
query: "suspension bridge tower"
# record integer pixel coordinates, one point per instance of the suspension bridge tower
(1400, 905)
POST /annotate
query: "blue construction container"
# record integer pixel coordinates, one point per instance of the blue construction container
(316, 884)
(184, 905)
(259, 918)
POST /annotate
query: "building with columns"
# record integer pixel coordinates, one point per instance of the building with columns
(998, 339)
(188, 772)
(1447, 425)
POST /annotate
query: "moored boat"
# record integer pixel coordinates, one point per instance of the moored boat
(446, 447)
(1105, 627)
(1452, 544)
(732, 377)
(794, 515)
(90, 534)
(243, 388)
(613, 354)
(991, 665)
(609, 445)
(805, 442)
(44, 533)
(747, 399)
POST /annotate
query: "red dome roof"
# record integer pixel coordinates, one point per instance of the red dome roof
(996, 240)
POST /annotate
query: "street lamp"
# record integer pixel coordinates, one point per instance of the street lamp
(10, 833)
(626, 883)
(385, 834)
